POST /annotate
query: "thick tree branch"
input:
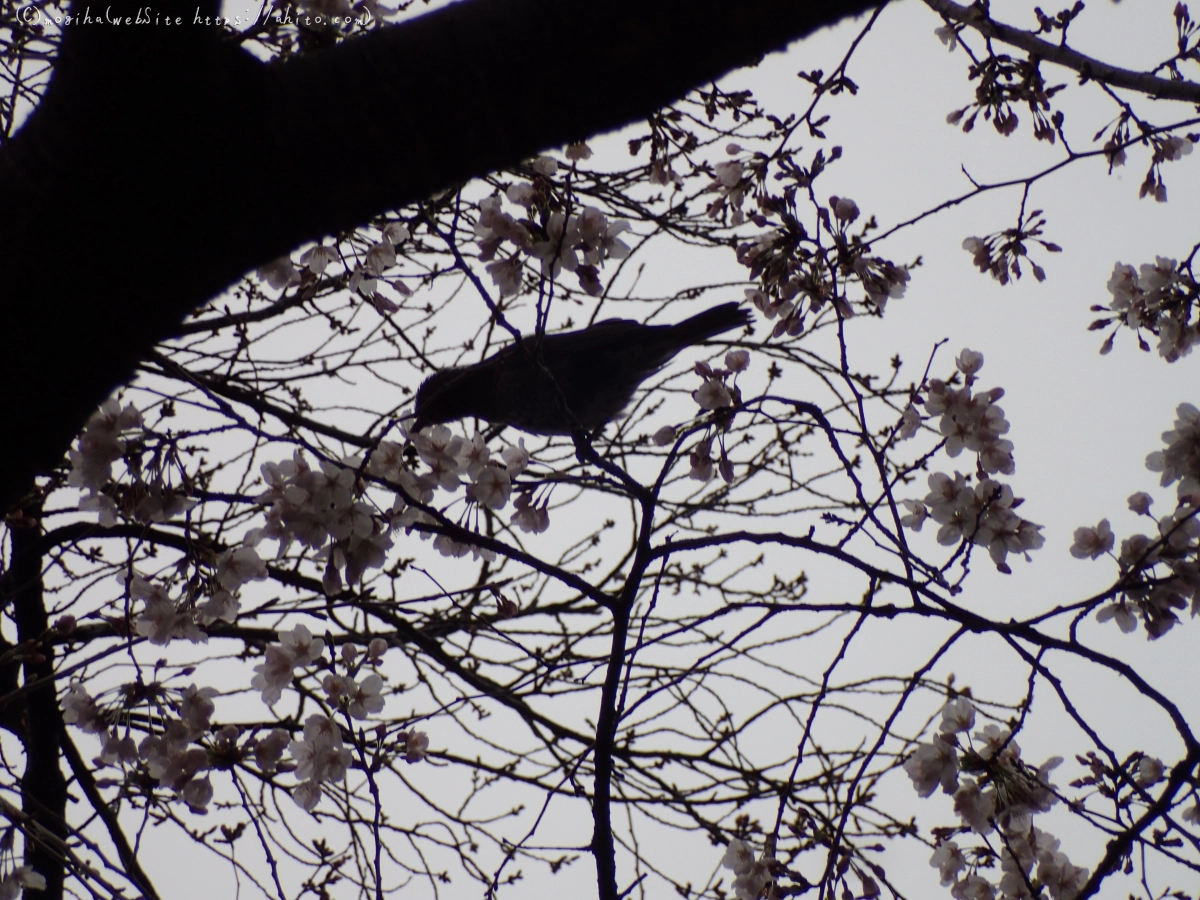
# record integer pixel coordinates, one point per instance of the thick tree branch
(43, 787)
(1086, 66)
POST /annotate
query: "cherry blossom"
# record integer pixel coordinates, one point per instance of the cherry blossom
(558, 251)
(910, 421)
(932, 764)
(664, 437)
(969, 362)
(578, 151)
(521, 193)
(1180, 461)
(269, 750)
(739, 856)
(545, 165)
(749, 885)
(161, 620)
(307, 795)
(1092, 543)
(492, 487)
(973, 887)
(516, 459)
(279, 273)
(712, 395)
(19, 879)
(222, 605)
(1149, 771)
(80, 710)
(701, 462)
(298, 648)
(337, 687)
(737, 360)
(196, 709)
(530, 517)
(320, 754)
(379, 257)
(416, 745)
(366, 698)
(197, 794)
(1140, 503)
(442, 451)
(844, 209)
(1119, 613)
(236, 567)
(303, 647)
(448, 546)
(101, 444)
(317, 259)
(974, 806)
(1174, 147)
(396, 233)
(917, 513)
(958, 715)
(507, 275)
(116, 749)
(948, 859)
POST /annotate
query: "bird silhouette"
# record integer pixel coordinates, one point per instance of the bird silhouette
(578, 379)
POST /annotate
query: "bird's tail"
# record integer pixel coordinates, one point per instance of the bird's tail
(711, 322)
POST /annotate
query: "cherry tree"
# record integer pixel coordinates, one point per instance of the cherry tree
(256, 618)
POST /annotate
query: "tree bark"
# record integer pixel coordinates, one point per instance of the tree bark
(43, 786)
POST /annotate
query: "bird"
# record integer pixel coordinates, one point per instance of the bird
(574, 380)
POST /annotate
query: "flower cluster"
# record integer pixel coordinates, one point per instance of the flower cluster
(1180, 461)
(715, 394)
(297, 647)
(1152, 595)
(378, 257)
(1001, 793)
(98, 447)
(80, 709)
(105, 439)
(321, 756)
(358, 699)
(881, 279)
(982, 514)
(795, 281)
(752, 875)
(1170, 148)
(1158, 297)
(1060, 878)
(578, 243)
(1000, 254)
(972, 421)
(163, 618)
(415, 745)
(315, 506)
(1160, 575)
(733, 179)
(450, 458)
(178, 759)
(173, 756)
